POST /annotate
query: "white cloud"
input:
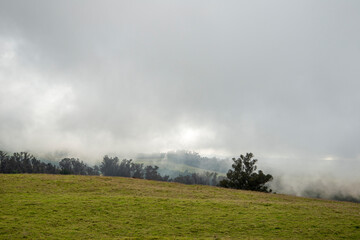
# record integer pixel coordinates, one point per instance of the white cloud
(277, 79)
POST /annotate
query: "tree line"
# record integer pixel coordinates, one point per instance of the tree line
(242, 176)
(127, 168)
(25, 162)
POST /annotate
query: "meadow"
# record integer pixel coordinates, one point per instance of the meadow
(42, 206)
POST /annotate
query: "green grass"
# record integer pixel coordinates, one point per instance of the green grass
(90, 207)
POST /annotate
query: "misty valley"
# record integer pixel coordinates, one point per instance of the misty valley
(202, 119)
(187, 167)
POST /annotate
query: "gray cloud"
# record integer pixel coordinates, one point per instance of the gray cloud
(279, 79)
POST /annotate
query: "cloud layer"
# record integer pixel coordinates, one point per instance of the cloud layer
(278, 79)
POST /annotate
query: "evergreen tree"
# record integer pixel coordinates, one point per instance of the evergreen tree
(243, 175)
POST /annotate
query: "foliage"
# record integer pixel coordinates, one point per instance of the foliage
(111, 166)
(243, 175)
(151, 173)
(206, 178)
(24, 162)
(77, 167)
(127, 168)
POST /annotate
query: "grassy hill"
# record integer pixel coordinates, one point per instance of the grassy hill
(91, 207)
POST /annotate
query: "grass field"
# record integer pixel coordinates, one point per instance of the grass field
(91, 207)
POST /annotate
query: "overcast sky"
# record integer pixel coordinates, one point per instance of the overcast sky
(276, 78)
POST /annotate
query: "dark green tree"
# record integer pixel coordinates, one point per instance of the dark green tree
(109, 166)
(66, 166)
(124, 168)
(244, 175)
(151, 173)
(4, 159)
(93, 170)
(137, 170)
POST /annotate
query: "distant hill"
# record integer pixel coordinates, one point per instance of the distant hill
(174, 162)
(40, 206)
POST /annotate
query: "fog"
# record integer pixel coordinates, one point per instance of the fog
(279, 79)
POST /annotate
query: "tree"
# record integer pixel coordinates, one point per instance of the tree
(66, 166)
(26, 160)
(243, 175)
(4, 159)
(124, 168)
(109, 166)
(93, 170)
(151, 173)
(137, 170)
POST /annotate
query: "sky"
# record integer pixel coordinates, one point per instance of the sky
(222, 78)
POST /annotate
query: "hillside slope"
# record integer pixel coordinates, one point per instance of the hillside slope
(91, 207)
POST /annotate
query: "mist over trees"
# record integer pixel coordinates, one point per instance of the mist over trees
(110, 166)
(127, 168)
(76, 167)
(244, 175)
(24, 162)
(205, 178)
(189, 158)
